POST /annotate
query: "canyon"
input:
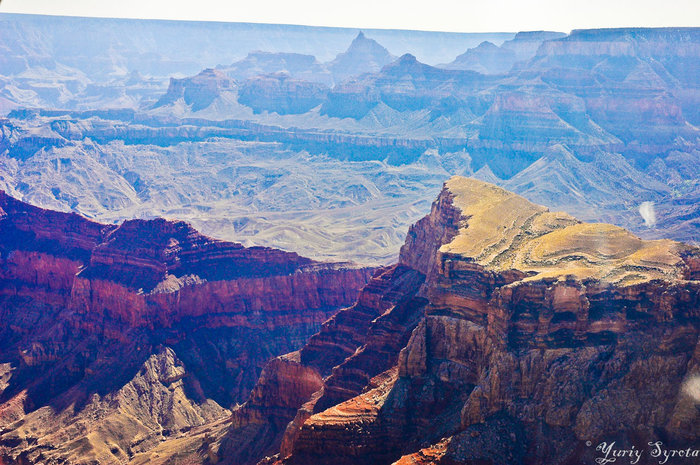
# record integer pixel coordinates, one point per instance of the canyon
(214, 246)
(505, 333)
(594, 123)
(117, 336)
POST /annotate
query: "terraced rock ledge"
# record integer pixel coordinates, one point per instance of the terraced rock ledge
(506, 334)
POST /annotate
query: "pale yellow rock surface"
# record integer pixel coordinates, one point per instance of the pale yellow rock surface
(503, 231)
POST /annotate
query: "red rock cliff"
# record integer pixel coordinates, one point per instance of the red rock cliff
(540, 333)
(85, 305)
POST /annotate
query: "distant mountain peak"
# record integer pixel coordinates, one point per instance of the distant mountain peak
(407, 64)
(486, 58)
(363, 44)
(364, 55)
(487, 45)
(407, 58)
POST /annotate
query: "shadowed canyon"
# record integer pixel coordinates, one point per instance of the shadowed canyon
(252, 244)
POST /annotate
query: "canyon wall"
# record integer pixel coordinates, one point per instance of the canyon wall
(507, 333)
(106, 325)
(532, 334)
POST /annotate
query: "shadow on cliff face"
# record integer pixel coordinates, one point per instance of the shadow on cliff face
(110, 346)
(541, 337)
(67, 366)
(69, 375)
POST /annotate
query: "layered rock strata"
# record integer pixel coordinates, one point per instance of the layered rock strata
(505, 334)
(539, 334)
(335, 365)
(123, 335)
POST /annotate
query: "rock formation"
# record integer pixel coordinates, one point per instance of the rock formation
(593, 123)
(532, 334)
(487, 58)
(281, 94)
(296, 65)
(364, 55)
(115, 337)
(526, 43)
(506, 333)
(198, 92)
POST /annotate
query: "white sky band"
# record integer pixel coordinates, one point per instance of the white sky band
(434, 15)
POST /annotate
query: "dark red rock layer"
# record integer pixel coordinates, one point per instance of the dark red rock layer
(84, 305)
(382, 318)
(362, 341)
(257, 427)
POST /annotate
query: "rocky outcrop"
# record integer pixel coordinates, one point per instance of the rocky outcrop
(159, 401)
(540, 334)
(364, 55)
(89, 310)
(198, 91)
(525, 44)
(423, 86)
(296, 65)
(256, 428)
(487, 58)
(353, 346)
(281, 94)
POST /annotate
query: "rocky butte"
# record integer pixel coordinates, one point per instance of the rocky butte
(506, 334)
(114, 337)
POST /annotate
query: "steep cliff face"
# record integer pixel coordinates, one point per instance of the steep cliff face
(506, 334)
(257, 427)
(198, 91)
(539, 334)
(121, 336)
(281, 94)
(334, 365)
